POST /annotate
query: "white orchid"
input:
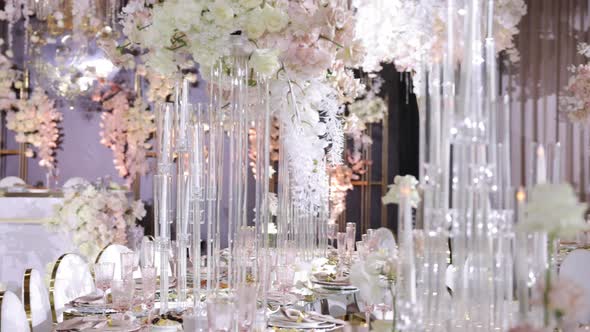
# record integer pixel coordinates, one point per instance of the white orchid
(378, 270)
(554, 209)
(393, 194)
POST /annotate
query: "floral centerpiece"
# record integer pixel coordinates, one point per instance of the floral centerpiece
(307, 48)
(375, 275)
(96, 217)
(393, 194)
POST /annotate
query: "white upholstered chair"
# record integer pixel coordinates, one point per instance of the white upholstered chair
(70, 279)
(12, 314)
(35, 297)
(112, 254)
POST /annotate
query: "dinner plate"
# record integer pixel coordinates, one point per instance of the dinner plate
(284, 323)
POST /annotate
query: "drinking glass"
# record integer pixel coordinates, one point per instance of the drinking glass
(148, 287)
(103, 277)
(350, 237)
(122, 292)
(285, 276)
(341, 239)
(127, 265)
(148, 252)
(360, 247)
(246, 301)
(220, 313)
(332, 231)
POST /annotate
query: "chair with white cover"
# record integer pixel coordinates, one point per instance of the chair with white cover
(36, 301)
(70, 279)
(12, 314)
(11, 181)
(112, 254)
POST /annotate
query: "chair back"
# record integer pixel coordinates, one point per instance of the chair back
(11, 181)
(70, 279)
(112, 254)
(36, 301)
(12, 314)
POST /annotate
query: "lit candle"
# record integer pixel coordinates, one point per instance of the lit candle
(541, 176)
(520, 199)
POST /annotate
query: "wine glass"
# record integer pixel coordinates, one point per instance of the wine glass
(103, 277)
(332, 231)
(148, 253)
(350, 237)
(285, 276)
(341, 240)
(127, 265)
(148, 286)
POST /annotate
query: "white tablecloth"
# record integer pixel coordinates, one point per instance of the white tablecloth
(24, 241)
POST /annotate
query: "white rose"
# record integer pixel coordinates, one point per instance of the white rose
(249, 4)
(222, 12)
(274, 19)
(255, 26)
(265, 62)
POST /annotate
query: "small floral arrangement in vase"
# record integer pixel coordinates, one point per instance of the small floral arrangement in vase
(553, 209)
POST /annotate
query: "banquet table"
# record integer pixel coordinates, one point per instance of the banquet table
(24, 241)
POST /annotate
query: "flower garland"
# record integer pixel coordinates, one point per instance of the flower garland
(417, 30)
(8, 82)
(35, 121)
(127, 128)
(574, 103)
(308, 48)
(96, 218)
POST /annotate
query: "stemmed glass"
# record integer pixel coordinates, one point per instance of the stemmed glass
(332, 231)
(341, 240)
(148, 286)
(103, 277)
(285, 276)
(350, 237)
(127, 265)
(148, 252)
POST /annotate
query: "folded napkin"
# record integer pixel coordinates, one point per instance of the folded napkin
(81, 324)
(297, 316)
(88, 299)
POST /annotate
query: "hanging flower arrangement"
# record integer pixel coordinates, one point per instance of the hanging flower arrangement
(36, 122)
(574, 103)
(127, 126)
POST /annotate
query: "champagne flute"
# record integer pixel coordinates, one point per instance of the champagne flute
(103, 277)
(127, 265)
(148, 252)
(332, 231)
